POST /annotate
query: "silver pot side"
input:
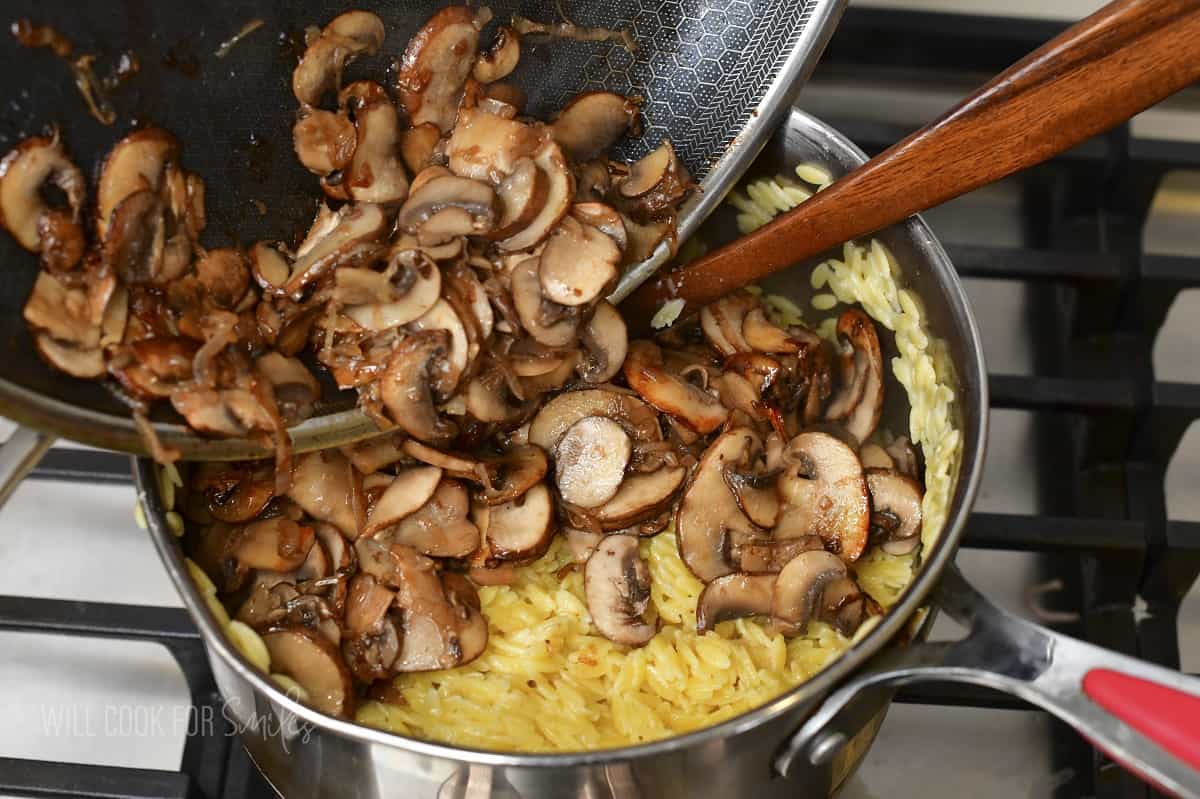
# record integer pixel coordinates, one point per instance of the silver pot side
(306, 754)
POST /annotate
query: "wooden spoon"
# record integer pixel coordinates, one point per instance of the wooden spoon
(1103, 70)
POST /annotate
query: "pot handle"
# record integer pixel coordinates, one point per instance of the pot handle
(18, 455)
(1147, 718)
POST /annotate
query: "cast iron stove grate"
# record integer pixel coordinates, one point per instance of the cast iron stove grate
(1107, 428)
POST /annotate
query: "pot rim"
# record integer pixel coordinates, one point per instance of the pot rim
(971, 373)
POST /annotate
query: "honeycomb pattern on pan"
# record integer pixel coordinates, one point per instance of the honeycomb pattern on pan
(703, 66)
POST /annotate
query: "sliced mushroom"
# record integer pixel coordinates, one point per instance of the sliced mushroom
(408, 491)
(296, 390)
(232, 413)
(445, 206)
(485, 146)
(560, 189)
(754, 492)
(644, 239)
(657, 183)
(414, 288)
(617, 585)
(529, 303)
(732, 597)
(269, 267)
(490, 399)
(578, 263)
(824, 493)
(606, 342)
(441, 316)
(417, 146)
(647, 375)
(316, 566)
(277, 544)
(905, 455)
(522, 194)
(559, 414)
(519, 530)
(722, 322)
(375, 173)
(443, 627)
(405, 387)
(374, 454)
(582, 543)
(895, 511)
(763, 335)
(371, 655)
(605, 219)
(135, 244)
(512, 473)
(324, 484)
(436, 64)
(590, 461)
(23, 211)
(234, 492)
(366, 603)
(62, 311)
(324, 141)
(859, 401)
(500, 59)
(873, 456)
(346, 37)
(801, 586)
(592, 122)
(136, 163)
(311, 660)
(455, 465)
(770, 555)
(84, 363)
(708, 514)
(640, 497)
(224, 276)
(347, 236)
(440, 528)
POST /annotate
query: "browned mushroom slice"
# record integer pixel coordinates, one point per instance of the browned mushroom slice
(440, 528)
(521, 529)
(235, 492)
(23, 210)
(224, 276)
(873, 456)
(529, 303)
(137, 162)
(590, 461)
(84, 363)
(905, 455)
(605, 219)
(487, 147)
(374, 454)
(410, 489)
(645, 239)
(296, 390)
(417, 145)
(578, 263)
(592, 122)
(640, 497)
(446, 206)
(316, 566)
(324, 141)
(754, 492)
(770, 555)
(441, 317)
(824, 493)
(376, 302)
(269, 267)
(343, 237)
(582, 543)
(708, 514)
(443, 627)
(233, 413)
(512, 473)
(559, 414)
(323, 484)
(405, 387)
(522, 194)
(346, 37)
(370, 655)
(453, 464)
(657, 183)
(670, 393)
(435, 65)
(732, 597)
(500, 59)
(617, 585)
(860, 400)
(560, 189)
(375, 173)
(366, 603)
(312, 661)
(722, 322)
(895, 511)
(606, 342)
(62, 312)
(490, 399)
(277, 544)
(763, 335)
(800, 588)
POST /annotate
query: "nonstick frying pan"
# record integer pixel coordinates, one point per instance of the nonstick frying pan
(716, 75)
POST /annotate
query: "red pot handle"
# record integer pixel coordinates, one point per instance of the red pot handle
(1145, 717)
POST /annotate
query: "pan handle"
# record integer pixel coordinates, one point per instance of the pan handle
(18, 455)
(1145, 717)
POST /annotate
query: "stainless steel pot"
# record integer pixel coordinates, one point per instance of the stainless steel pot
(771, 751)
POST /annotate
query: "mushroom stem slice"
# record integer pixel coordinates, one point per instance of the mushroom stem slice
(376, 173)
(734, 596)
(617, 586)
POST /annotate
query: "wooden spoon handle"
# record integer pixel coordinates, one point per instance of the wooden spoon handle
(1103, 70)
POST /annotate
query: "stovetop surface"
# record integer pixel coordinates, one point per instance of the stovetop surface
(1071, 269)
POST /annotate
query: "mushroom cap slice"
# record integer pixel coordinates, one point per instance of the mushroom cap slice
(617, 586)
(32, 163)
(137, 162)
(417, 145)
(560, 413)
(234, 492)
(408, 491)
(670, 393)
(640, 497)
(606, 342)
(708, 514)
(604, 218)
(801, 585)
(324, 484)
(732, 597)
(768, 554)
(560, 189)
(529, 303)
(278, 544)
(519, 530)
(861, 407)
(485, 146)
(441, 316)
(590, 461)
(346, 236)
(895, 510)
(62, 311)
(513, 472)
(435, 65)
(376, 174)
(324, 141)
(367, 603)
(445, 206)
(413, 290)
(592, 122)
(873, 456)
(311, 660)
(440, 528)
(500, 59)
(578, 263)
(824, 493)
(763, 335)
(346, 37)
(722, 321)
(522, 194)
(84, 363)
(405, 388)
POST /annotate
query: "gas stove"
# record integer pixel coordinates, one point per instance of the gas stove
(1078, 271)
